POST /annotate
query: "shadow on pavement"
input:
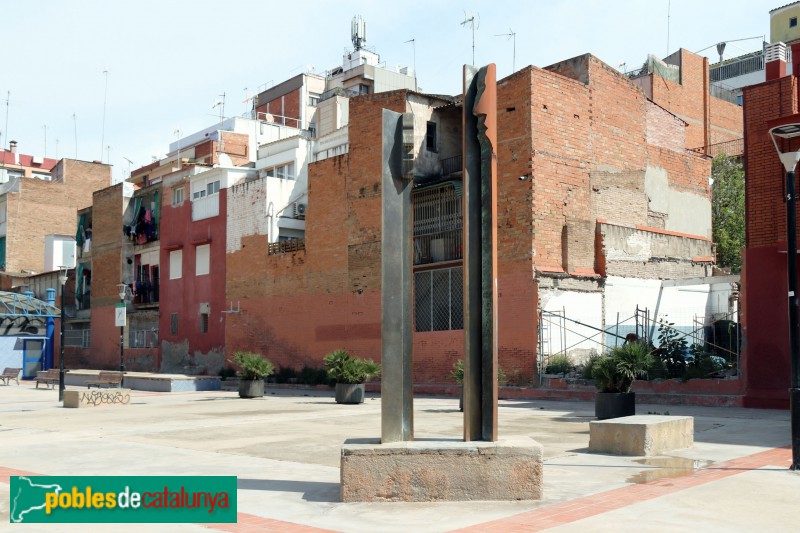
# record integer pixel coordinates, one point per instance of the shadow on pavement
(313, 491)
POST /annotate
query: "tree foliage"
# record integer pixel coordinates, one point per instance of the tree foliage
(727, 211)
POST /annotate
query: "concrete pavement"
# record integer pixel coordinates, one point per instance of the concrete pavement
(285, 448)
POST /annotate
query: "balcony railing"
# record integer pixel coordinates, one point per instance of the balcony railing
(287, 246)
(452, 165)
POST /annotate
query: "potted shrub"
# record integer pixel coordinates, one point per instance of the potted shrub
(254, 368)
(457, 373)
(458, 376)
(350, 373)
(614, 374)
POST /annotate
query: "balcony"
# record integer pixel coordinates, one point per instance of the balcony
(452, 165)
(207, 207)
(287, 246)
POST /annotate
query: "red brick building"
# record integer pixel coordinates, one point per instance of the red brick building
(765, 310)
(587, 163)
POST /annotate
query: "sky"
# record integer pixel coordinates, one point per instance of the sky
(119, 80)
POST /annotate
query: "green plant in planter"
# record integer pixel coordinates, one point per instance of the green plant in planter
(458, 372)
(344, 368)
(253, 365)
(616, 371)
(558, 364)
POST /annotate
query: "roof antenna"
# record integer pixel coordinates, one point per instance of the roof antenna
(511, 35)
(358, 32)
(413, 42)
(474, 24)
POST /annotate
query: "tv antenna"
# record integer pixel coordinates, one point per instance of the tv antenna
(129, 165)
(511, 35)
(105, 98)
(413, 42)
(474, 23)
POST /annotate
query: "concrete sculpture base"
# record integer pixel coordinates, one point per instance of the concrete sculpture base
(641, 435)
(96, 397)
(436, 470)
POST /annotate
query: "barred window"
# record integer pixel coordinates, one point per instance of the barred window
(437, 224)
(438, 299)
(78, 335)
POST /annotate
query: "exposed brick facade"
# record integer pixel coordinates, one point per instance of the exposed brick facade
(764, 272)
(41, 208)
(581, 135)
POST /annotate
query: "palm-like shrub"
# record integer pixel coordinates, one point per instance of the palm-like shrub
(616, 371)
(253, 365)
(344, 368)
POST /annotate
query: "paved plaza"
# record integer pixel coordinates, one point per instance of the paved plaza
(285, 450)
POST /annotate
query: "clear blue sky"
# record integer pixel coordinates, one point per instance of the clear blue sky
(169, 60)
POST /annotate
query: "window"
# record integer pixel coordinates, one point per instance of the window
(437, 224)
(173, 323)
(203, 322)
(201, 190)
(438, 299)
(177, 196)
(793, 22)
(430, 137)
(313, 99)
(283, 172)
(175, 264)
(202, 260)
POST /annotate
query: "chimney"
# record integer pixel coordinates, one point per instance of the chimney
(776, 61)
(13, 146)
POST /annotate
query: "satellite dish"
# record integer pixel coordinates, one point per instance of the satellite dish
(269, 118)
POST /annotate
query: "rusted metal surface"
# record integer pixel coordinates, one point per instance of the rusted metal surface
(397, 397)
(480, 253)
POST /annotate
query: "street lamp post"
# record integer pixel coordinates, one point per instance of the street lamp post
(789, 160)
(120, 319)
(62, 278)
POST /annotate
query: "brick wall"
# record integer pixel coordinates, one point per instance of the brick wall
(764, 278)
(43, 207)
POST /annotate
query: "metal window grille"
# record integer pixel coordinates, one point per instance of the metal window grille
(203, 322)
(143, 338)
(78, 337)
(439, 299)
(437, 225)
(173, 323)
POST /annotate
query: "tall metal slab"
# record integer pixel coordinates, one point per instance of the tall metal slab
(397, 414)
(480, 253)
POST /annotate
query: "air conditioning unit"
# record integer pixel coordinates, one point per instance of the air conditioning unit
(300, 210)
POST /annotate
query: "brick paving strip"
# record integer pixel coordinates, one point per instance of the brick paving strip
(546, 517)
(588, 506)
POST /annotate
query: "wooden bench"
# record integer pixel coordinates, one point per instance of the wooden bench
(9, 374)
(106, 379)
(51, 377)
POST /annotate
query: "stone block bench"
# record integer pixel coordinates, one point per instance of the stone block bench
(641, 435)
(425, 471)
(96, 398)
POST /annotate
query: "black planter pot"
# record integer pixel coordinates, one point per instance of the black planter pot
(614, 404)
(349, 393)
(251, 388)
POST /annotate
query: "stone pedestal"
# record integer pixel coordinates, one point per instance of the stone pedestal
(437, 470)
(641, 435)
(96, 397)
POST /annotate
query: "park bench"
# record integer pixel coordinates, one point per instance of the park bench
(9, 374)
(106, 379)
(49, 378)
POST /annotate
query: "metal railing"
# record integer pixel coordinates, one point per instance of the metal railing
(437, 225)
(451, 165)
(287, 246)
(733, 148)
(738, 67)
